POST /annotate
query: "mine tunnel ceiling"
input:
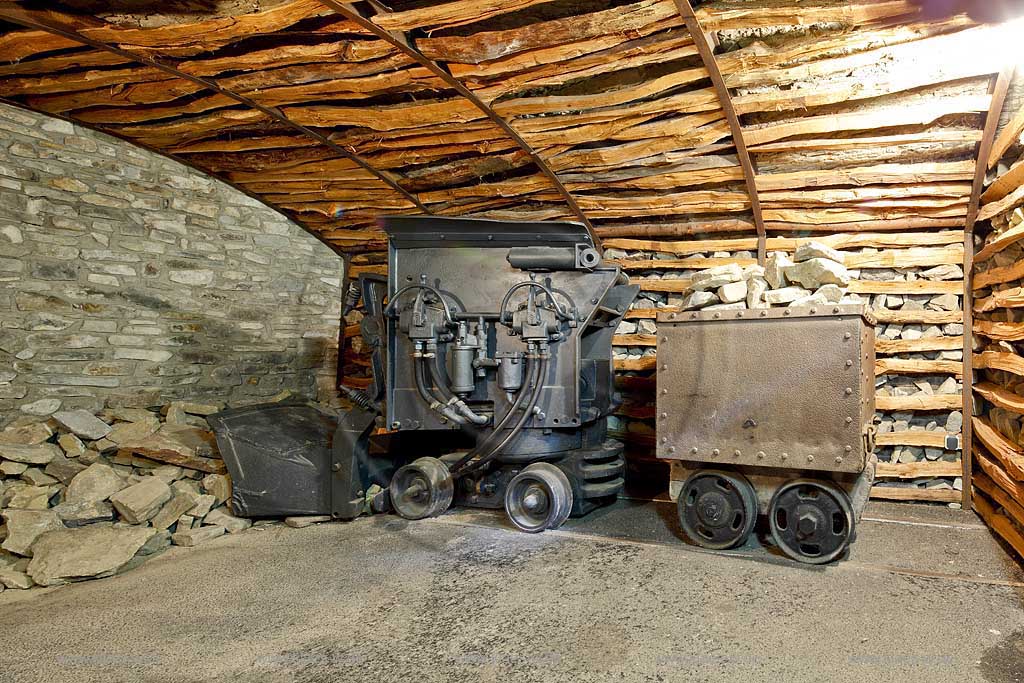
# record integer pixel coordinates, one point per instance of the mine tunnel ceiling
(857, 116)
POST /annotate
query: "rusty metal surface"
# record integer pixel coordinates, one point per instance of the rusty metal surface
(783, 388)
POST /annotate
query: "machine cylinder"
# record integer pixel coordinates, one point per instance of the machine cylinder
(542, 258)
(510, 370)
(463, 377)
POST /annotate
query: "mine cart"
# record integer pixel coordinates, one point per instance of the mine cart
(768, 411)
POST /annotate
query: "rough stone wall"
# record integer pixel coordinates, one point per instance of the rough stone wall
(129, 279)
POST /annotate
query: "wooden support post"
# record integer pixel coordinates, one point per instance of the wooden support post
(1000, 84)
(707, 55)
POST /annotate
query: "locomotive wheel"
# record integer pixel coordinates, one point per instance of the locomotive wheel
(717, 509)
(538, 498)
(811, 521)
(423, 488)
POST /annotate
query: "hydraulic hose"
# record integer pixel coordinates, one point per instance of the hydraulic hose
(450, 398)
(485, 445)
(514, 432)
(428, 396)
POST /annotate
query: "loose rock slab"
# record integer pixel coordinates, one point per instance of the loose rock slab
(35, 454)
(98, 482)
(140, 502)
(69, 554)
(82, 423)
(192, 537)
(232, 524)
(25, 526)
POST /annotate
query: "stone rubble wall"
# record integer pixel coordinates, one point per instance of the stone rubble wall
(918, 385)
(127, 279)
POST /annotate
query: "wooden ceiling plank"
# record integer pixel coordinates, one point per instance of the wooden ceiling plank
(47, 22)
(401, 42)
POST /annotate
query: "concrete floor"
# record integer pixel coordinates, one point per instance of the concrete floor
(927, 594)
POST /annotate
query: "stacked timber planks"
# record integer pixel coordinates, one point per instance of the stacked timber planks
(998, 482)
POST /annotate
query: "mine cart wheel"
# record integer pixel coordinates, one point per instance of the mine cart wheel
(811, 521)
(423, 488)
(717, 509)
(538, 498)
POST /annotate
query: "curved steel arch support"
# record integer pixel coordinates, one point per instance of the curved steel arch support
(402, 43)
(33, 19)
(707, 55)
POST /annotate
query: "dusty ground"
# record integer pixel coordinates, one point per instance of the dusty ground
(926, 595)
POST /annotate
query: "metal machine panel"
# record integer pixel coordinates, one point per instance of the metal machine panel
(782, 388)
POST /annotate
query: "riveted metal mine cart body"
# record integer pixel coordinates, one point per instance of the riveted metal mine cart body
(770, 397)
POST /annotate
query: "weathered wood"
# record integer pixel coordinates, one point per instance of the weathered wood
(1001, 397)
(884, 315)
(187, 39)
(1011, 507)
(999, 331)
(16, 46)
(789, 244)
(999, 523)
(1004, 298)
(904, 115)
(915, 494)
(871, 141)
(890, 346)
(1005, 183)
(919, 402)
(1010, 201)
(994, 471)
(943, 172)
(921, 438)
(1000, 360)
(917, 470)
(1002, 449)
(899, 366)
(1008, 136)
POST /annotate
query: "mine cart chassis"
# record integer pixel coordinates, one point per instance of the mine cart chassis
(768, 412)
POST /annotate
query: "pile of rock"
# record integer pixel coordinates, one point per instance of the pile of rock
(85, 495)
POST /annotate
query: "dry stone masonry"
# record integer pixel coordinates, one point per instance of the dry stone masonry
(128, 279)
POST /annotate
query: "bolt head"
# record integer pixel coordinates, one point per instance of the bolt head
(806, 525)
(671, 449)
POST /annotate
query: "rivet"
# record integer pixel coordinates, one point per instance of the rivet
(764, 314)
(737, 453)
(786, 312)
(718, 315)
(715, 452)
(671, 449)
(813, 311)
(785, 456)
(693, 450)
(849, 420)
(810, 458)
(672, 315)
(760, 454)
(849, 391)
(847, 335)
(664, 415)
(664, 339)
(835, 310)
(839, 461)
(849, 363)
(664, 391)
(664, 439)
(664, 367)
(848, 449)
(693, 316)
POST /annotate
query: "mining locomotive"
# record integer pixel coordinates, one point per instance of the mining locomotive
(492, 381)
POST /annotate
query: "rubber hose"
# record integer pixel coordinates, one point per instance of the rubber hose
(431, 400)
(527, 413)
(484, 445)
(460, 405)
